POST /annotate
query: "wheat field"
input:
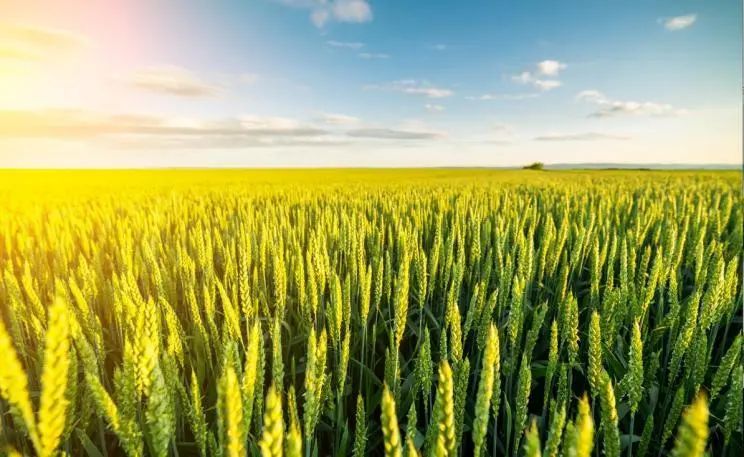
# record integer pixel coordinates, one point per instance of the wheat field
(361, 312)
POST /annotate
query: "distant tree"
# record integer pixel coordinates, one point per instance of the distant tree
(534, 166)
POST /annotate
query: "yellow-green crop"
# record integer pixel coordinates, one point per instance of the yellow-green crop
(364, 312)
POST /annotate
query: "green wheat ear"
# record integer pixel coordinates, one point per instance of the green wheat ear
(231, 412)
(632, 384)
(293, 438)
(692, 435)
(721, 377)
(673, 416)
(733, 420)
(524, 384)
(532, 441)
(410, 448)
(360, 430)
(196, 416)
(390, 430)
(14, 387)
(446, 422)
(584, 429)
(594, 371)
(159, 415)
(461, 378)
(555, 432)
(609, 417)
(271, 442)
(552, 361)
(424, 370)
(53, 404)
(579, 434)
(485, 391)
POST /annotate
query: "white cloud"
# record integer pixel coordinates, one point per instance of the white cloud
(157, 131)
(434, 108)
(43, 37)
(320, 17)
(541, 84)
(550, 67)
(588, 136)
(33, 43)
(345, 44)
(133, 131)
(356, 46)
(523, 78)
(678, 22)
(338, 119)
(275, 125)
(83, 124)
(324, 11)
(606, 107)
(489, 97)
(413, 87)
(547, 84)
(351, 11)
(394, 134)
(373, 56)
(440, 47)
(591, 95)
(172, 80)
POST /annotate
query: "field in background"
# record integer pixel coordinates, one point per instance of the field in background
(330, 312)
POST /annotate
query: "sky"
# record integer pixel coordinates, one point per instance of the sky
(368, 83)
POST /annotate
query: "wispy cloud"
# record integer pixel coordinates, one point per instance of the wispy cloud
(345, 44)
(181, 143)
(413, 87)
(324, 11)
(394, 134)
(338, 119)
(490, 97)
(527, 77)
(172, 80)
(587, 136)
(547, 84)
(545, 68)
(432, 108)
(356, 46)
(43, 37)
(14, 52)
(271, 125)
(245, 131)
(26, 42)
(678, 22)
(440, 47)
(606, 107)
(373, 55)
(84, 124)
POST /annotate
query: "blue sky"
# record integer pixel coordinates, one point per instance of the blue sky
(368, 83)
